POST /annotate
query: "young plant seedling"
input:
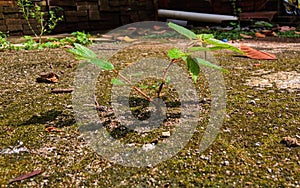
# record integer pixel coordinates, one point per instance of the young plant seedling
(201, 42)
(31, 10)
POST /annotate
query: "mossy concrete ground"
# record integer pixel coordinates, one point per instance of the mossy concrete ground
(247, 151)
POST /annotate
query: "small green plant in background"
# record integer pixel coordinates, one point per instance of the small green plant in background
(288, 34)
(79, 37)
(236, 11)
(30, 43)
(4, 44)
(46, 21)
(234, 34)
(201, 42)
(263, 24)
(82, 38)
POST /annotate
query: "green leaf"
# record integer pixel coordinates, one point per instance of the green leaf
(189, 34)
(263, 24)
(82, 52)
(221, 45)
(116, 81)
(175, 53)
(28, 37)
(168, 79)
(193, 67)
(203, 62)
(102, 64)
(143, 86)
(197, 48)
(83, 64)
(205, 36)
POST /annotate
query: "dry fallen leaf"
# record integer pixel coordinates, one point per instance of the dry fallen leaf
(286, 28)
(26, 176)
(156, 27)
(246, 36)
(132, 28)
(256, 54)
(260, 35)
(128, 39)
(290, 142)
(61, 90)
(268, 33)
(274, 34)
(107, 36)
(48, 78)
(53, 129)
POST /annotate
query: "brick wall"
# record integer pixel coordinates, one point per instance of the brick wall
(88, 15)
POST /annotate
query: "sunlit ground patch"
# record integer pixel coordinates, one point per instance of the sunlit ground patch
(282, 80)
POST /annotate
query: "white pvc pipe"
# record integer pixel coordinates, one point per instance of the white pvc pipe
(178, 22)
(195, 16)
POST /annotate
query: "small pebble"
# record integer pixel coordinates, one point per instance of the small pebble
(204, 157)
(148, 147)
(269, 170)
(257, 144)
(225, 163)
(288, 178)
(227, 172)
(166, 134)
(252, 102)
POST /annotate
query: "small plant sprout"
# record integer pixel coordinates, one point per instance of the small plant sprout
(4, 44)
(200, 42)
(46, 21)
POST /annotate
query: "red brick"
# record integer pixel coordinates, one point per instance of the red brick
(12, 21)
(114, 3)
(82, 7)
(62, 3)
(13, 16)
(94, 15)
(14, 27)
(104, 5)
(8, 9)
(70, 16)
(6, 2)
(82, 13)
(3, 28)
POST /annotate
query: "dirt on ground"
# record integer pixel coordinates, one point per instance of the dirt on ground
(41, 139)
